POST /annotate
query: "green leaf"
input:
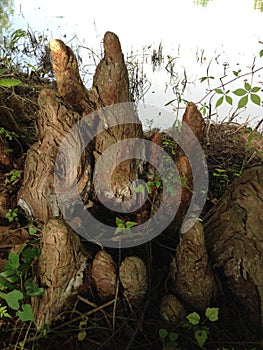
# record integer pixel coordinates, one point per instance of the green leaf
(173, 336)
(212, 313)
(13, 261)
(26, 314)
(201, 337)
(139, 188)
(82, 335)
(219, 170)
(17, 34)
(236, 72)
(32, 230)
(170, 102)
(240, 92)
(6, 283)
(163, 333)
(255, 89)
(203, 79)
(247, 86)
(8, 150)
(8, 277)
(130, 224)
(219, 91)
(32, 290)
(12, 298)
(255, 99)
(82, 324)
(229, 100)
(3, 312)
(193, 318)
(150, 185)
(29, 254)
(243, 102)
(260, 53)
(206, 78)
(5, 82)
(203, 109)
(157, 183)
(219, 101)
(119, 222)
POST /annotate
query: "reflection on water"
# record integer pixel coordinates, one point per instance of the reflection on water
(203, 2)
(159, 74)
(258, 5)
(6, 10)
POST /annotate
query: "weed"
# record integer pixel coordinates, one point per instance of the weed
(16, 284)
(194, 325)
(12, 215)
(124, 226)
(14, 175)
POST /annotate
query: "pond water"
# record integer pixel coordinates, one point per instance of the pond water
(194, 39)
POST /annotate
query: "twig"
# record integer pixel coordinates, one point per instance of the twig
(259, 123)
(86, 301)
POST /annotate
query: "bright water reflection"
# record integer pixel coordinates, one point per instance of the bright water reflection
(214, 39)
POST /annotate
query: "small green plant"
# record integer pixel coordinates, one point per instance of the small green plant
(124, 226)
(10, 135)
(201, 331)
(193, 324)
(225, 96)
(221, 173)
(152, 185)
(139, 189)
(14, 175)
(168, 338)
(82, 330)
(3, 312)
(248, 91)
(12, 215)
(32, 230)
(170, 181)
(6, 80)
(16, 284)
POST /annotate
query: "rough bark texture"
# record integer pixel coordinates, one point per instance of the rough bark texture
(111, 87)
(235, 240)
(5, 160)
(61, 270)
(192, 125)
(58, 115)
(59, 112)
(37, 195)
(172, 309)
(69, 83)
(191, 272)
(134, 280)
(104, 275)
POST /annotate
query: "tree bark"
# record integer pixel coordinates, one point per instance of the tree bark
(234, 239)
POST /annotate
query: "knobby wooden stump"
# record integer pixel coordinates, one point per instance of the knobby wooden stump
(110, 118)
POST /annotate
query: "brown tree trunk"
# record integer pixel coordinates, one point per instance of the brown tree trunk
(234, 240)
(59, 113)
